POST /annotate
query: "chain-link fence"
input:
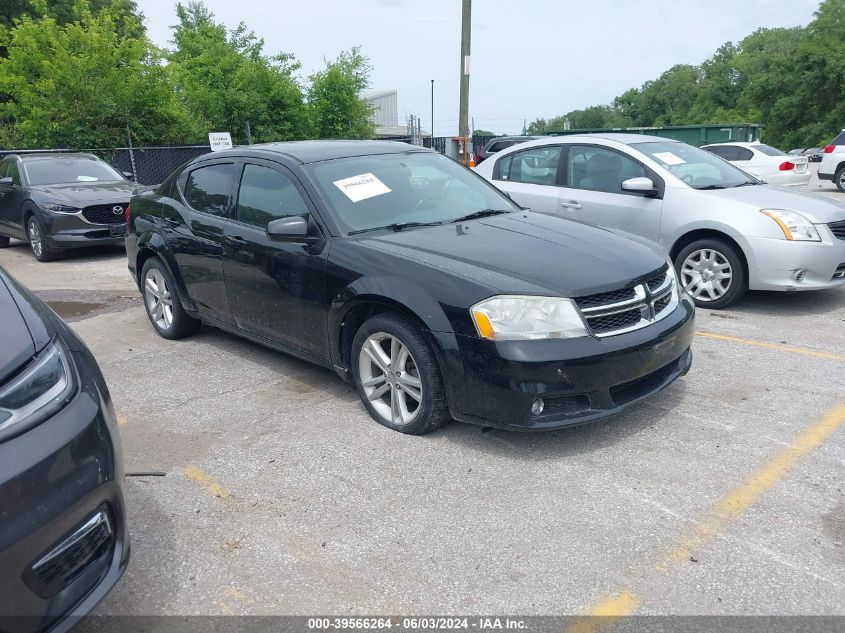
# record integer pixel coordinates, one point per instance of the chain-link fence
(148, 165)
(438, 143)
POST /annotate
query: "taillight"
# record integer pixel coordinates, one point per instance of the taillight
(127, 213)
(786, 166)
(829, 149)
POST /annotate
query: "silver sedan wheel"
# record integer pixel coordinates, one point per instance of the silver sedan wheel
(158, 298)
(390, 378)
(842, 179)
(706, 274)
(34, 234)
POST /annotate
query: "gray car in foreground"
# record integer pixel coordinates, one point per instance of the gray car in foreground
(726, 230)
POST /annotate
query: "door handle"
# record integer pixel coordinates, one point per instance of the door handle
(235, 238)
(570, 204)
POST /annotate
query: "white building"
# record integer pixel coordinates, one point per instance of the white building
(386, 114)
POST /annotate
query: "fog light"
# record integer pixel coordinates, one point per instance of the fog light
(798, 275)
(537, 407)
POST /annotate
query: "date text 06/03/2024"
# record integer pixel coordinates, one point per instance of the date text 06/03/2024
(421, 623)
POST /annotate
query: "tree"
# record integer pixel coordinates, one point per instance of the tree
(83, 84)
(484, 133)
(67, 11)
(334, 98)
(228, 84)
(791, 80)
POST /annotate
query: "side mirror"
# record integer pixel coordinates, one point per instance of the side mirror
(292, 229)
(639, 185)
(7, 181)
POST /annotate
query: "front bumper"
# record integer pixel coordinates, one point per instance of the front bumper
(65, 230)
(579, 380)
(778, 264)
(53, 479)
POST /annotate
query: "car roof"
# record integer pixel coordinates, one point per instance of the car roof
(619, 137)
(44, 155)
(738, 143)
(315, 151)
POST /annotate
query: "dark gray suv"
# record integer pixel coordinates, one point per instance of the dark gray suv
(61, 201)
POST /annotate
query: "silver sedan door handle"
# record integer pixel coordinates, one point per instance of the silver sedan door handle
(570, 204)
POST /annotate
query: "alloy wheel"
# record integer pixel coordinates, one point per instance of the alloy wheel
(34, 234)
(158, 298)
(706, 274)
(390, 378)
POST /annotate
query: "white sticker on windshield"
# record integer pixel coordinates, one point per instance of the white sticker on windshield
(362, 187)
(669, 158)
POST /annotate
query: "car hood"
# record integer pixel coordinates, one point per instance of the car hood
(528, 253)
(818, 208)
(84, 193)
(16, 344)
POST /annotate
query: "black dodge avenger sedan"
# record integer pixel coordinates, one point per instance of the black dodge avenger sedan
(63, 539)
(61, 201)
(412, 277)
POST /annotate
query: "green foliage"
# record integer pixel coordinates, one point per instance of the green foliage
(484, 133)
(225, 80)
(337, 110)
(81, 84)
(792, 80)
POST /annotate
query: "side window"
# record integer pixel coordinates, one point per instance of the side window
(12, 172)
(208, 189)
(265, 195)
(743, 153)
(4, 165)
(721, 151)
(535, 166)
(601, 169)
(495, 147)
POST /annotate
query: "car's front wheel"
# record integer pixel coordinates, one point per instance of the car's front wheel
(712, 272)
(839, 179)
(396, 374)
(161, 300)
(40, 249)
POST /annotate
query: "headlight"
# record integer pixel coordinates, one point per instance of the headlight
(795, 226)
(674, 275)
(512, 318)
(55, 207)
(38, 391)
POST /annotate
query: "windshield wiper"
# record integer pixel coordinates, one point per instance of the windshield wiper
(480, 214)
(708, 187)
(748, 182)
(396, 226)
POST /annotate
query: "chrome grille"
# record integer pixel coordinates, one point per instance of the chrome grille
(838, 229)
(629, 309)
(105, 213)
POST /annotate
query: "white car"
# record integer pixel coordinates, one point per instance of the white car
(832, 166)
(726, 231)
(765, 162)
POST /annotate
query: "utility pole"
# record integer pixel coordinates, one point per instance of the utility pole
(432, 111)
(463, 115)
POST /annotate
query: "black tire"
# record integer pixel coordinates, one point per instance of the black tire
(4, 241)
(839, 179)
(35, 234)
(179, 324)
(431, 411)
(738, 286)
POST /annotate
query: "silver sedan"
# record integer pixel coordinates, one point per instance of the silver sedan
(726, 230)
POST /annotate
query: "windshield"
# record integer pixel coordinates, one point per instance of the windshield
(55, 171)
(697, 167)
(370, 192)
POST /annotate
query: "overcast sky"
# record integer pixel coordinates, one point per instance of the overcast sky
(530, 58)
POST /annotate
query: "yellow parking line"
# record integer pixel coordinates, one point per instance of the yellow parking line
(780, 347)
(207, 482)
(606, 613)
(728, 508)
(749, 491)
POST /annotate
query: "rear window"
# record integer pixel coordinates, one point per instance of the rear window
(768, 150)
(840, 139)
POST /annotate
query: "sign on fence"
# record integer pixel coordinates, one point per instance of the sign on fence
(219, 141)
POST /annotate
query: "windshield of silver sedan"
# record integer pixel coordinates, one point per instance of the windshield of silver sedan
(398, 191)
(696, 167)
